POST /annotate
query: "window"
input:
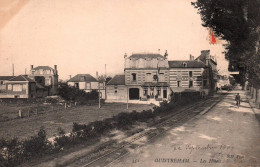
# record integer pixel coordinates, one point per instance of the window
(155, 77)
(184, 64)
(24, 86)
(158, 91)
(41, 71)
(88, 86)
(76, 85)
(134, 76)
(145, 91)
(179, 83)
(190, 73)
(101, 85)
(1, 82)
(10, 87)
(47, 81)
(17, 88)
(115, 87)
(190, 83)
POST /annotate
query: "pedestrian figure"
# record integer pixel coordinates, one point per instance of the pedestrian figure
(237, 100)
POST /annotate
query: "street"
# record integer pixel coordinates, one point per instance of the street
(224, 136)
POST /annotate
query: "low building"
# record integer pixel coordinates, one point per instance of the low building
(116, 91)
(20, 87)
(87, 83)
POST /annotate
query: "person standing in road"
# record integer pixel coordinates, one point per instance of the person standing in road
(237, 100)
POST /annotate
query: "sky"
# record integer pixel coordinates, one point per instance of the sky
(81, 36)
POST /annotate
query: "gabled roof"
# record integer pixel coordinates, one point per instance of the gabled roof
(146, 55)
(6, 77)
(83, 78)
(22, 78)
(43, 68)
(117, 80)
(190, 64)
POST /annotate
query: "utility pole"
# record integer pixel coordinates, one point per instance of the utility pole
(99, 106)
(105, 71)
(13, 69)
(127, 98)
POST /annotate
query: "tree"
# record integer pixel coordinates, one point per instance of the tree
(71, 93)
(237, 22)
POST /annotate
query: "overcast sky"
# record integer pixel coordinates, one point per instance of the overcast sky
(81, 36)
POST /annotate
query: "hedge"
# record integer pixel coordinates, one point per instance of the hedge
(14, 152)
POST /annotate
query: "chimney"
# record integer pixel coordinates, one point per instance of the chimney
(166, 55)
(70, 76)
(125, 56)
(55, 67)
(97, 75)
(191, 57)
(31, 67)
(159, 51)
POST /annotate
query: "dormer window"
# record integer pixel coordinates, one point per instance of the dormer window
(184, 64)
(82, 78)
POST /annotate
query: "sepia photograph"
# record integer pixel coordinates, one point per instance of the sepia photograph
(130, 83)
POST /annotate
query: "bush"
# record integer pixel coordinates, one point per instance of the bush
(70, 93)
(11, 152)
(36, 145)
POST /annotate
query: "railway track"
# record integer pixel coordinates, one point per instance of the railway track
(170, 121)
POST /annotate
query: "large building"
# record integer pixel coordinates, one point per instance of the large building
(46, 77)
(147, 76)
(151, 77)
(188, 76)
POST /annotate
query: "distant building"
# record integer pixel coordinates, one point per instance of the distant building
(46, 77)
(211, 62)
(22, 87)
(87, 83)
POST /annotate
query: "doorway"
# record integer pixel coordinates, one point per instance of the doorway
(134, 93)
(165, 93)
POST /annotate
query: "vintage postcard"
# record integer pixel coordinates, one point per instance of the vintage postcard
(133, 83)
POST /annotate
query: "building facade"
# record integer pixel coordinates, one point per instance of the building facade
(116, 89)
(212, 72)
(46, 77)
(20, 87)
(147, 77)
(188, 76)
